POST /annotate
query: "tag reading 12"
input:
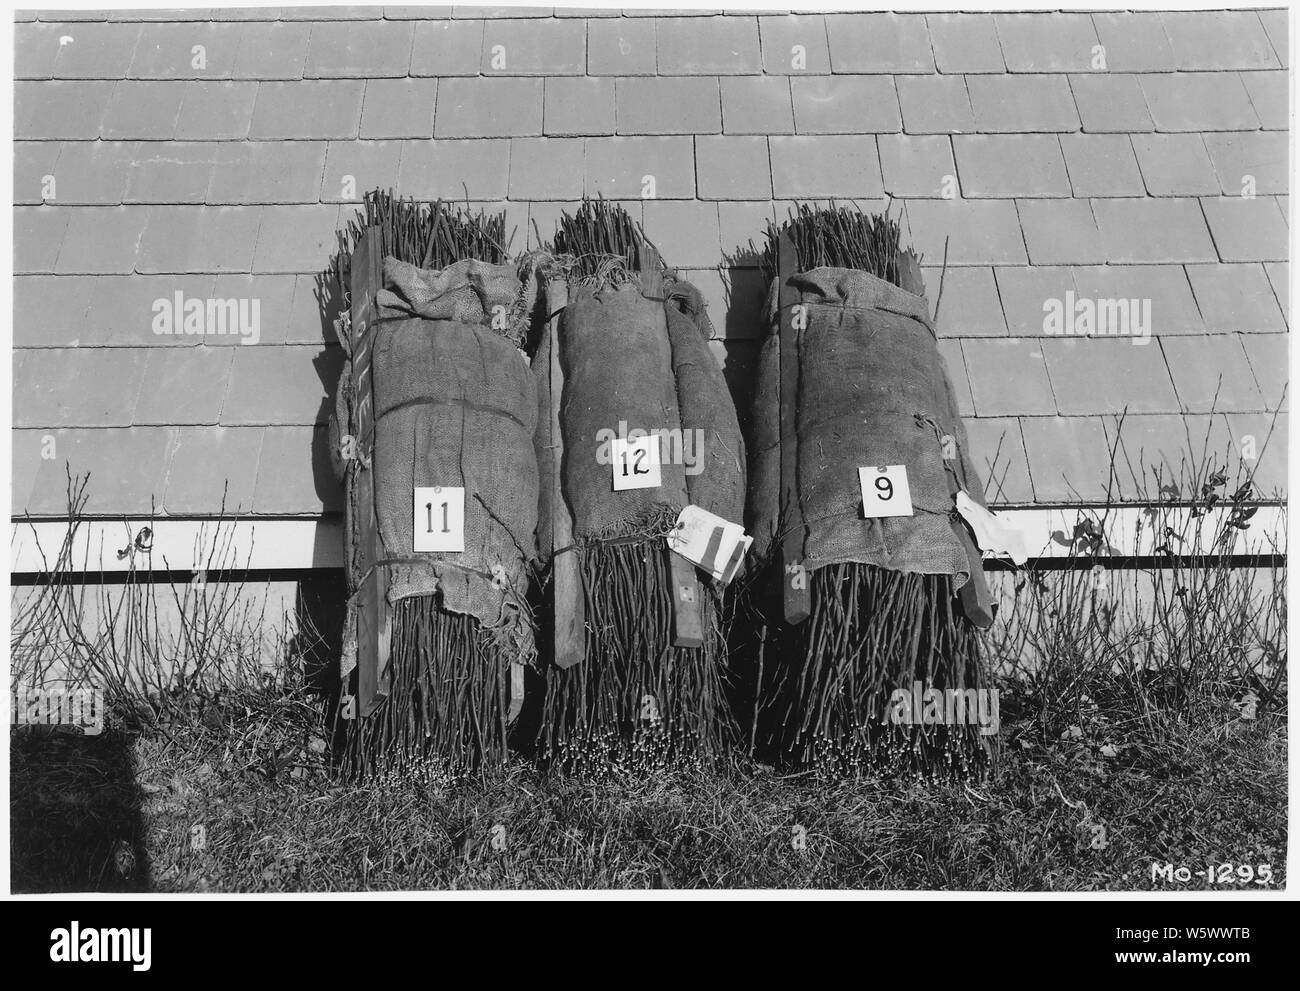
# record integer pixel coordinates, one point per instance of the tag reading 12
(440, 519)
(636, 463)
(885, 491)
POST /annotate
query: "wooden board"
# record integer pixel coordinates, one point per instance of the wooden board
(976, 597)
(570, 610)
(688, 622)
(374, 617)
(516, 692)
(796, 599)
(648, 269)
(688, 627)
(373, 640)
(909, 272)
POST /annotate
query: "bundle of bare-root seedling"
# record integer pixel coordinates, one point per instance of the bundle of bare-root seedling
(640, 681)
(875, 662)
(433, 429)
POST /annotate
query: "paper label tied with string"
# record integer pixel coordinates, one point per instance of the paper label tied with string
(710, 542)
(993, 534)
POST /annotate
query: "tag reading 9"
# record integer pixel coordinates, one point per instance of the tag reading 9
(885, 491)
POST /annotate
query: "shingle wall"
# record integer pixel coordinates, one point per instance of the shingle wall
(214, 153)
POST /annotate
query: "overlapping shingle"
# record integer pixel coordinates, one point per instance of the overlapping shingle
(668, 105)
(807, 167)
(1102, 165)
(274, 50)
(617, 168)
(966, 302)
(1134, 41)
(998, 452)
(398, 108)
(1198, 101)
(919, 165)
(373, 50)
(529, 48)
(1027, 292)
(975, 232)
(708, 46)
(126, 467)
(1111, 103)
(455, 169)
(756, 105)
(794, 44)
(838, 104)
(1092, 375)
(935, 105)
(1114, 156)
(622, 47)
(879, 43)
(1008, 376)
(1049, 42)
(1011, 165)
(1219, 39)
(1064, 232)
(1236, 298)
(1247, 228)
(965, 43)
(733, 167)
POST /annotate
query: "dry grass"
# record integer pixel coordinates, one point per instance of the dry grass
(1058, 814)
(1134, 731)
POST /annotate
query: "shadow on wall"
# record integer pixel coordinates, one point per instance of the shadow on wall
(329, 367)
(75, 812)
(743, 329)
(320, 605)
(321, 598)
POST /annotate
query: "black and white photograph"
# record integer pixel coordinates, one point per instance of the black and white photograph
(650, 453)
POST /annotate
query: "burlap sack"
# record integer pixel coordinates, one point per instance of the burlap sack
(454, 405)
(469, 291)
(872, 390)
(717, 482)
(617, 366)
(544, 455)
(646, 363)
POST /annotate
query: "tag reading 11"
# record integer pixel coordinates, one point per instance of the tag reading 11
(885, 491)
(440, 519)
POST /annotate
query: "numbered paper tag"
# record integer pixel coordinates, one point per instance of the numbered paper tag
(885, 491)
(636, 463)
(440, 519)
(710, 542)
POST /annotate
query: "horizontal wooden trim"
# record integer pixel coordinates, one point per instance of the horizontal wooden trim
(1138, 531)
(292, 545)
(180, 545)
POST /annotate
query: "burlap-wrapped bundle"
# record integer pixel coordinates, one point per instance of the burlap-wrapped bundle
(633, 346)
(454, 405)
(458, 396)
(886, 614)
(873, 390)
